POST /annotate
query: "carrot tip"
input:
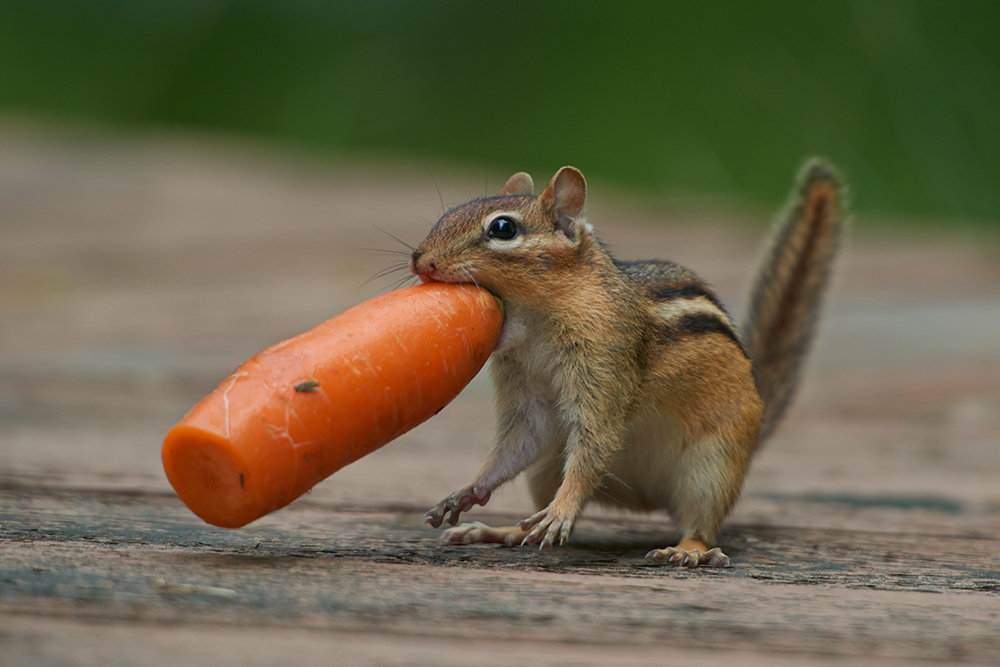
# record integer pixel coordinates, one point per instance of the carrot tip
(209, 475)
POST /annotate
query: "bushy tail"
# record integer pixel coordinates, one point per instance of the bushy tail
(788, 288)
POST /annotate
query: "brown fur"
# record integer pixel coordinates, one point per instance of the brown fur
(623, 382)
(792, 277)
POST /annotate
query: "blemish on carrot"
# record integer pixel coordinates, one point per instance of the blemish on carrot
(307, 387)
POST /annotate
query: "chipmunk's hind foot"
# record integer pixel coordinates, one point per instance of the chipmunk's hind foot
(690, 553)
(476, 532)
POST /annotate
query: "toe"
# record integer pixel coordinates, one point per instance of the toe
(715, 558)
(467, 533)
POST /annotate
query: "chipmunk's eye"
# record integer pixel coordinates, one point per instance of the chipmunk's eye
(502, 228)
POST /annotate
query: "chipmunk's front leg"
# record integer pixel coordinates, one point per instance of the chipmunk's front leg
(589, 454)
(594, 404)
(523, 427)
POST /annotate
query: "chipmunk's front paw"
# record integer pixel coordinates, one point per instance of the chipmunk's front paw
(460, 500)
(546, 528)
(678, 557)
(479, 533)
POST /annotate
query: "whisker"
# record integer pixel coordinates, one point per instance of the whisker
(602, 491)
(394, 237)
(387, 271)
(611, 499)
(438, 188)
(618, 479)
(387, 251)
(401, 282)
(468, 272)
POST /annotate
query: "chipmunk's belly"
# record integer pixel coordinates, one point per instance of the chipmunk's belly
(642, 475)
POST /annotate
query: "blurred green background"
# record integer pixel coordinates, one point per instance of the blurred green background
(662, 97)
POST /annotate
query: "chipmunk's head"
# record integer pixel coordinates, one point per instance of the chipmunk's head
(501, 242)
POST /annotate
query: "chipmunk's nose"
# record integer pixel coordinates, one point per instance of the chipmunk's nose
(415, 260)
(425, 270)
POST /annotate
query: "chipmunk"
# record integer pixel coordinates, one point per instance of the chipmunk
(626, 382)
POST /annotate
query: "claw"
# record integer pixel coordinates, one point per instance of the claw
(434, 517)
(530, 541)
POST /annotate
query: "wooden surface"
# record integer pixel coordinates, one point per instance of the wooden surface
(136, 272)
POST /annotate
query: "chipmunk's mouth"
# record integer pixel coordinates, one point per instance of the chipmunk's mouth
(427, 272)
(431, 272)
(510, 334)
(434, 276)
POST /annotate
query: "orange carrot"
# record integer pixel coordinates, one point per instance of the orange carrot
(299, 411)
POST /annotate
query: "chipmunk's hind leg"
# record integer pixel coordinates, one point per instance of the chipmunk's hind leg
(702, 487)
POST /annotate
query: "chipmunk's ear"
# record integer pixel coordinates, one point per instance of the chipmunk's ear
(566, 193)
(518, 184)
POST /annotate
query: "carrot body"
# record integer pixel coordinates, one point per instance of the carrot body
(299, 411)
